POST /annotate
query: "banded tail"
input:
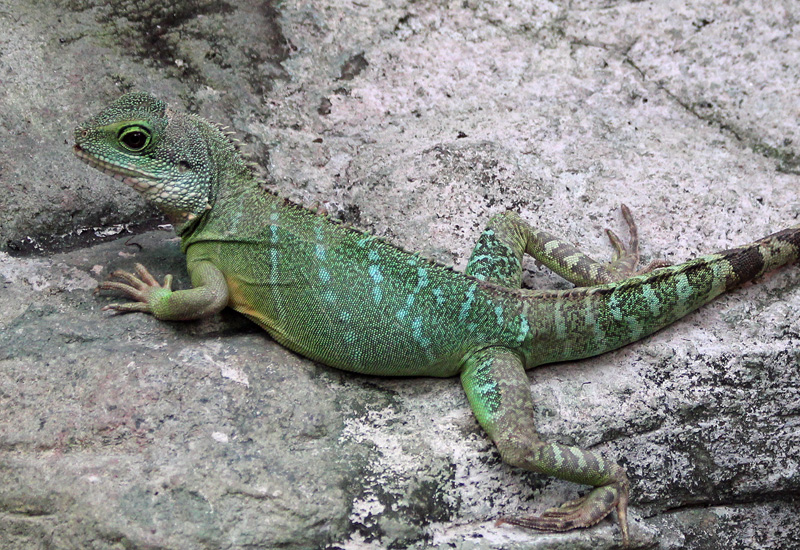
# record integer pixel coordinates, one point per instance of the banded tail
(593, 320)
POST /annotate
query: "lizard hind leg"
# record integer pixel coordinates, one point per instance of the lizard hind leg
(497, 256)
(499, 393)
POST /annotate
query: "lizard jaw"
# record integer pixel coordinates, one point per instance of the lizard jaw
(127, 176)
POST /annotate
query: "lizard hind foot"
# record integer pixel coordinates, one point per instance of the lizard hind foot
(579, 513)
(626, 257)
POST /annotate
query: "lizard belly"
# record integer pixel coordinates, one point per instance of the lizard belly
(346, 332)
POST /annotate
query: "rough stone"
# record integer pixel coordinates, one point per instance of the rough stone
(417, 120)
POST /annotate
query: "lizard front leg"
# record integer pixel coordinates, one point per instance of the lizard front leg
(209, 295)
(498, 391)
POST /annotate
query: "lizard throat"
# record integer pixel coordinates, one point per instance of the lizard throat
(131, 178)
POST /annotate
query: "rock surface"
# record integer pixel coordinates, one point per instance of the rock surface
(417, 120)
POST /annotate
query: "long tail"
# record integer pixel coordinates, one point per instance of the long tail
(588, 321)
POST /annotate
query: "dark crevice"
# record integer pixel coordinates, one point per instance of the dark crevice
(32, 512)
(787, 496)
(788, 162)
(153, 32)
(81, 237)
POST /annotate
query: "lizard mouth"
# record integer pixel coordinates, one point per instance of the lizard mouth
(132, 178)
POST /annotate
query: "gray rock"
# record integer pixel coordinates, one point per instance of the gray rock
(417, 121)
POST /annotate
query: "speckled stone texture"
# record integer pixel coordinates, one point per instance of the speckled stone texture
(418, 121)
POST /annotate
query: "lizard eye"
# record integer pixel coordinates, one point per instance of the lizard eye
(134, 138)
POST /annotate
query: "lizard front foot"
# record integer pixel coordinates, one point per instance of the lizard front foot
(142, 287)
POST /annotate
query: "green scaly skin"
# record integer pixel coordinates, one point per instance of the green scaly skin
(352, 301)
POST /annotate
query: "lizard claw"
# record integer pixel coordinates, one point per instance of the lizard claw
(127, 307)
(652, 266)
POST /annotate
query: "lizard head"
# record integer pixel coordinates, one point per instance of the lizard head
(163, 155)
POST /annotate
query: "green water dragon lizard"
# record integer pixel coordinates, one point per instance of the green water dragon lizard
(350, 300)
